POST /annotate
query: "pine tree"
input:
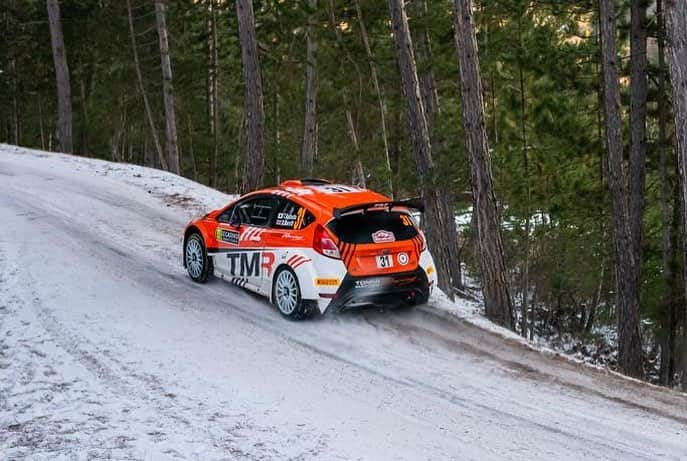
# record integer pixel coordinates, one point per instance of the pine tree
(419, 133)
(167, 88)
(497, 301)
(59, 51)
(627, 297)
(676, 25)
(254, 159)
(309, 151)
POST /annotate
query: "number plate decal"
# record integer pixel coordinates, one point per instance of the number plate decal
(384, 261)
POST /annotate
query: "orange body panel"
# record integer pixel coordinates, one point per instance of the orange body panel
(361, 260)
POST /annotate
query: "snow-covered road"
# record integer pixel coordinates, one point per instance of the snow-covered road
(108, 350)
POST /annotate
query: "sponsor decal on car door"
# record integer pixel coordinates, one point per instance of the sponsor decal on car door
(240, 259)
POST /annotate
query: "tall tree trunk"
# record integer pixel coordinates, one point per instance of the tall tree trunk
(676, 25)
(309, 150)
(526, 170)
(144, 95)
(171, 142)
(40, 120)
(16, 118)
(7, 122)
(277, 135)
(357, 171)
(671, 301)
(497, 301)
(254, 160)
(492, 88)
(380, 96)
(638, 99)
(84, 117)
(419, 134)
(118, 140)
(627, 290)
(240, 135)
(430, 101)
(191, 153)
(663, 143)
(50, 135)
(667, 301)
(213, 103)
(638, 102)
(600, 207)
(59, 53)
(426, 74)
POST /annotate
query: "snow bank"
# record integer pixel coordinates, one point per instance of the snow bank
(175, 191)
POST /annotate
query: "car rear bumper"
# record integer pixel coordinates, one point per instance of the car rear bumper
(394, 289)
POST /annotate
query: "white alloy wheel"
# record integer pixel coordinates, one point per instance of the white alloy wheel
(198, 263)
(287, 292)
(194, 257)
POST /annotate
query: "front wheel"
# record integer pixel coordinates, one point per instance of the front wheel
(286, 293)
(198, 264)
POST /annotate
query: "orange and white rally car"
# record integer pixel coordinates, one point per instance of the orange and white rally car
(310, 245)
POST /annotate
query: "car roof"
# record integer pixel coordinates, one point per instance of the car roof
(321, 196)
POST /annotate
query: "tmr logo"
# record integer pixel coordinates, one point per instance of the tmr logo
(249, 264)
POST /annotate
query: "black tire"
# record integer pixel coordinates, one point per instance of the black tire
(195, 252)
(290, 305)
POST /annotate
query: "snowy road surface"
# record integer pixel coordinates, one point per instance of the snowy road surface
(108, 350)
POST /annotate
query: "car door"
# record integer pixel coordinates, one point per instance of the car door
(286, 235)
(241, 263)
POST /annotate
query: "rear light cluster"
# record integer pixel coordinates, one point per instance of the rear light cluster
(324, 244)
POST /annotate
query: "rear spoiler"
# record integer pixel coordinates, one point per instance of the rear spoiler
(414, 203)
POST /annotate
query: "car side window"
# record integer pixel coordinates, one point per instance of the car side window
(225, 216)
(291, 216)
(256, 212)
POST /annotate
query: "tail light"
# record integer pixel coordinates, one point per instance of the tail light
(324, 244)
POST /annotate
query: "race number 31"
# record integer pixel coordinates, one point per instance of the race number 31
(384, 261)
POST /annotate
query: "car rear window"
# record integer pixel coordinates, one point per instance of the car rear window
(366, 227)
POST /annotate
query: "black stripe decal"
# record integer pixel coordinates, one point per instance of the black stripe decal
(344, 250)
(239, 281)
(350, 255)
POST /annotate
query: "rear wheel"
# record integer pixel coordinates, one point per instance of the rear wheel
(198, 264)
(286, 293)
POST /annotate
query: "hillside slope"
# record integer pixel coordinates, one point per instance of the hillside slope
(107, 349)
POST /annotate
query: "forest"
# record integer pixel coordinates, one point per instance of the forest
(547, 138)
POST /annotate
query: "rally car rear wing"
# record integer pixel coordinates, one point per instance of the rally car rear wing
(414, 203)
